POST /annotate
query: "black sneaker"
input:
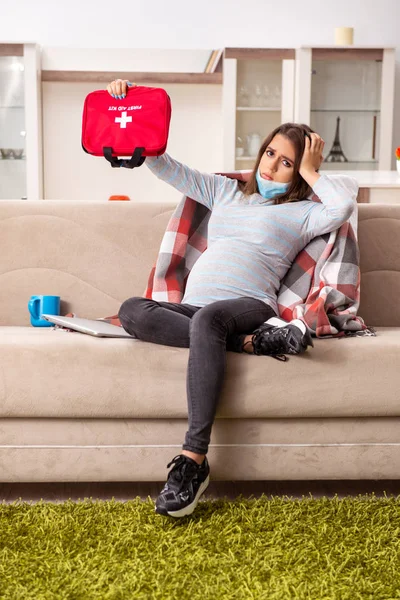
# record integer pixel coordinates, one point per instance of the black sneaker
(278, 341)
(186, 482)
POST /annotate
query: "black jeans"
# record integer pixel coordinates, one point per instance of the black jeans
(209, 332)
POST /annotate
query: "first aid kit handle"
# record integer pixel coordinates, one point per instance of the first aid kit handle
(135, 161)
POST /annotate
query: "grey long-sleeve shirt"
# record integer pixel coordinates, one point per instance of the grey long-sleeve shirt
(252, 242)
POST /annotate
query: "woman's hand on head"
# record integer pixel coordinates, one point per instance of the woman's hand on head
(312, 155)
(118, 87)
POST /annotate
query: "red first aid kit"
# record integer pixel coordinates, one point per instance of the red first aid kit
(136, 126)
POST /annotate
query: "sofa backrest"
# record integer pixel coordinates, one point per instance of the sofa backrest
(378, 239)
(95, 255)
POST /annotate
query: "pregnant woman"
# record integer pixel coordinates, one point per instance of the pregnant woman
(256, 230)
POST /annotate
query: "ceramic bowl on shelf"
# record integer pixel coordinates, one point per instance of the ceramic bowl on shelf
(6, 152)
(18, 153)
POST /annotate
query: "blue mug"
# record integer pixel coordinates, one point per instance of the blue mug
(39, 305)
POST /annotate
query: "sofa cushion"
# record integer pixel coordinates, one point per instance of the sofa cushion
(54, 373)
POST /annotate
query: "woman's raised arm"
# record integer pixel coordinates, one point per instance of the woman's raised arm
(202, 187)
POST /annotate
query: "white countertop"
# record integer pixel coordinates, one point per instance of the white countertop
(371, 179)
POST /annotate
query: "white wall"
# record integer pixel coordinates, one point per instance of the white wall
(174, 24)
(195, 24)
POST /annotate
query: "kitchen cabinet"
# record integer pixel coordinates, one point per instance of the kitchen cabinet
(346, 94)
(21, 171)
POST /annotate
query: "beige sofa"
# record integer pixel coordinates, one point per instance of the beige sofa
(78, 408)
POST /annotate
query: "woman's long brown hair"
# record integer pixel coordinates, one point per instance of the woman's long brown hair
(299, 188)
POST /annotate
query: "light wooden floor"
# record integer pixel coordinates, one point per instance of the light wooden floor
(122, 491)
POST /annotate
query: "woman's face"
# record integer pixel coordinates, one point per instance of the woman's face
(278, 159)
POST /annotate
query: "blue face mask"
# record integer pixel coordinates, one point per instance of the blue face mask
(270, 189)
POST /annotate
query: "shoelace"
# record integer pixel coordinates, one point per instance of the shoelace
(182, 471)
(272, 344)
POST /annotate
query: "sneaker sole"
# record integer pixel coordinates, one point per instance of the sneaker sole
(184, 512)
(307, 341)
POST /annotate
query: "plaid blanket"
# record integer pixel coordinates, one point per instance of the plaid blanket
(322, 287)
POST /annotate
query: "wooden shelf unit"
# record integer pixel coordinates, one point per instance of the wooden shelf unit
(149, 77)
(11, 49)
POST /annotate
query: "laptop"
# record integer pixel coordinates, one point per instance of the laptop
(90, 326)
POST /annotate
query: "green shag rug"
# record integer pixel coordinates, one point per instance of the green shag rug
(272, 548)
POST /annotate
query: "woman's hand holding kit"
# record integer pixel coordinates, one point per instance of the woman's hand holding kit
(117, 88)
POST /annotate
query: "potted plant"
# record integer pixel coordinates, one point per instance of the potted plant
(398, 159)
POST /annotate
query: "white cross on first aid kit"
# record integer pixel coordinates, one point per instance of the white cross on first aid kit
(123, 120)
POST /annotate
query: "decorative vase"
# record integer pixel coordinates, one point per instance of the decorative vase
(398, 166)
(253, 144)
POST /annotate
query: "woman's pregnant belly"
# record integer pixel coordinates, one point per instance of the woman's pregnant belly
(232, 269)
